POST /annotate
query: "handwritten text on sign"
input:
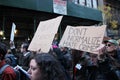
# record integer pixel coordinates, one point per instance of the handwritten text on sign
(83, 38)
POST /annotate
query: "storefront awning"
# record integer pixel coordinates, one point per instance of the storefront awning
(47, 6)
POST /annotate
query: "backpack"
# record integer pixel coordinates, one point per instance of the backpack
(11, 60)
(16, 71)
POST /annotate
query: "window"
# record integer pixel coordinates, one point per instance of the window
(88, 3)
(94, 4)
(82, 2)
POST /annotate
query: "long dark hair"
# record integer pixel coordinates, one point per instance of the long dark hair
(49, 66)
(3, 50)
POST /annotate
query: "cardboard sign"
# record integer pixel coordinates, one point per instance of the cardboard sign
(12, 32)
(84, 38)
(44, 35)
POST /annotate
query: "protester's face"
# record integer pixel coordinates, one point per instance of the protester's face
(22, 49)
(110, 47)
(34, 71)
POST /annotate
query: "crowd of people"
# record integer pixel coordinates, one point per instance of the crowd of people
(61, 63)
(102, 66)
(39, 66)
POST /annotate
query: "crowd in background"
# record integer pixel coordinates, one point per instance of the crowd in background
(62, 63)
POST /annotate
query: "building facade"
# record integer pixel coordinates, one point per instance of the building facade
(114, 32)
(26, 14)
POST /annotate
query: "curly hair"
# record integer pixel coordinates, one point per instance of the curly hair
(50, 67)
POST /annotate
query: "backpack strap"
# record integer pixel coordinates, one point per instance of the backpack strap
(3, 68)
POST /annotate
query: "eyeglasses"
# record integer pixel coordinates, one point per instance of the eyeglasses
(108, 45)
